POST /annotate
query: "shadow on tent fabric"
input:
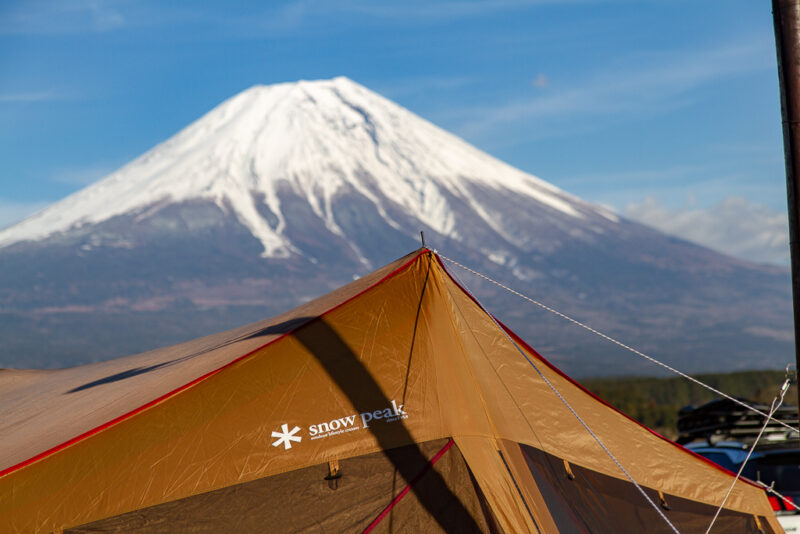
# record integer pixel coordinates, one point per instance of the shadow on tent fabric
(121, 376)
(271, 330)
(277, 329)
(353, 378)
(355, 381)
(344, 367)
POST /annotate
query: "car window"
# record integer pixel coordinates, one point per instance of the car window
(783, 469)
(720, 458)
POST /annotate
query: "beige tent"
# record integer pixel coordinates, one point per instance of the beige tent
(394, 404)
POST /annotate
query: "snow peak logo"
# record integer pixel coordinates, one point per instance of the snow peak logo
(349, 423)
(286, 437)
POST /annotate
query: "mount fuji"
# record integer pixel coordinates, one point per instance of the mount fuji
(287, 191)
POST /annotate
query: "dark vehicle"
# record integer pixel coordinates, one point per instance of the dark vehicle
(723, 420)
(778, 465)
(727, 454)
(723, 432)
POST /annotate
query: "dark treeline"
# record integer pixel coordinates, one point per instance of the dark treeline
(655, 401)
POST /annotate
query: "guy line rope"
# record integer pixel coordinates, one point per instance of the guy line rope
(619, 343)
(776, 402)
(574, 413)
(790, 504)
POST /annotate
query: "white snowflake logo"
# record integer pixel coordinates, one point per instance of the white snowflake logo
(286, 437)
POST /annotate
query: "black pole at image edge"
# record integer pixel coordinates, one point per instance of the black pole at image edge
(786, 18)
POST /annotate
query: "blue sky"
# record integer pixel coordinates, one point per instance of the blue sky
(666, 111)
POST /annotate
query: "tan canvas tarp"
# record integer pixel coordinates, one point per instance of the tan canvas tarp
(303, 500)
(402, 357)
(41, 409)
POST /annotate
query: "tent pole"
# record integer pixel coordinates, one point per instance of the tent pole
(786, 19)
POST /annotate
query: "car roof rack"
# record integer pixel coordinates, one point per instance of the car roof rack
(725, 420)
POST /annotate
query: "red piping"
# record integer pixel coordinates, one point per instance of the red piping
(408, 487)
(175, 391)
(538, 356)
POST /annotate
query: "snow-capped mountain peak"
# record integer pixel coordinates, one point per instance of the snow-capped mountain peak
(316, 139)
(285, 192)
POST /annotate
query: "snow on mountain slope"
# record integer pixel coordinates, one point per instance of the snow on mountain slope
(316, 138)
(284, 192)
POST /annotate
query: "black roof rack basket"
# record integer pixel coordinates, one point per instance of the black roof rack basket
(723, 419)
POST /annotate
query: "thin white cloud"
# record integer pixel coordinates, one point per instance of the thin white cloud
(300, 10)
(11, 212)
(69, 17)
(55, 17)
(734, 226)
(323, 15)
(637, 84)
(635, 178)
(61, 17)
(674, 186)
(422, 9)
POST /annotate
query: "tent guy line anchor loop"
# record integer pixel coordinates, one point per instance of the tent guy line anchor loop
(623, 345)
(572, 410)
(776, 402)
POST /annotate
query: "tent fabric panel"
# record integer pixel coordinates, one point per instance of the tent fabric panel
(460, 403)
(416, 340)
(304, 501)
(350, 362)
(444, 500)
(582, 500)
(512, 511)
(524, 409)
(515, 463)
(41, 409)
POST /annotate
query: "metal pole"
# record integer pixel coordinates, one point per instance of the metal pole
(786, 18)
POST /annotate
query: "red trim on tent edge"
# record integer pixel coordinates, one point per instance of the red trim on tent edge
(544, 360)
(199, 379)
(428, 466)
